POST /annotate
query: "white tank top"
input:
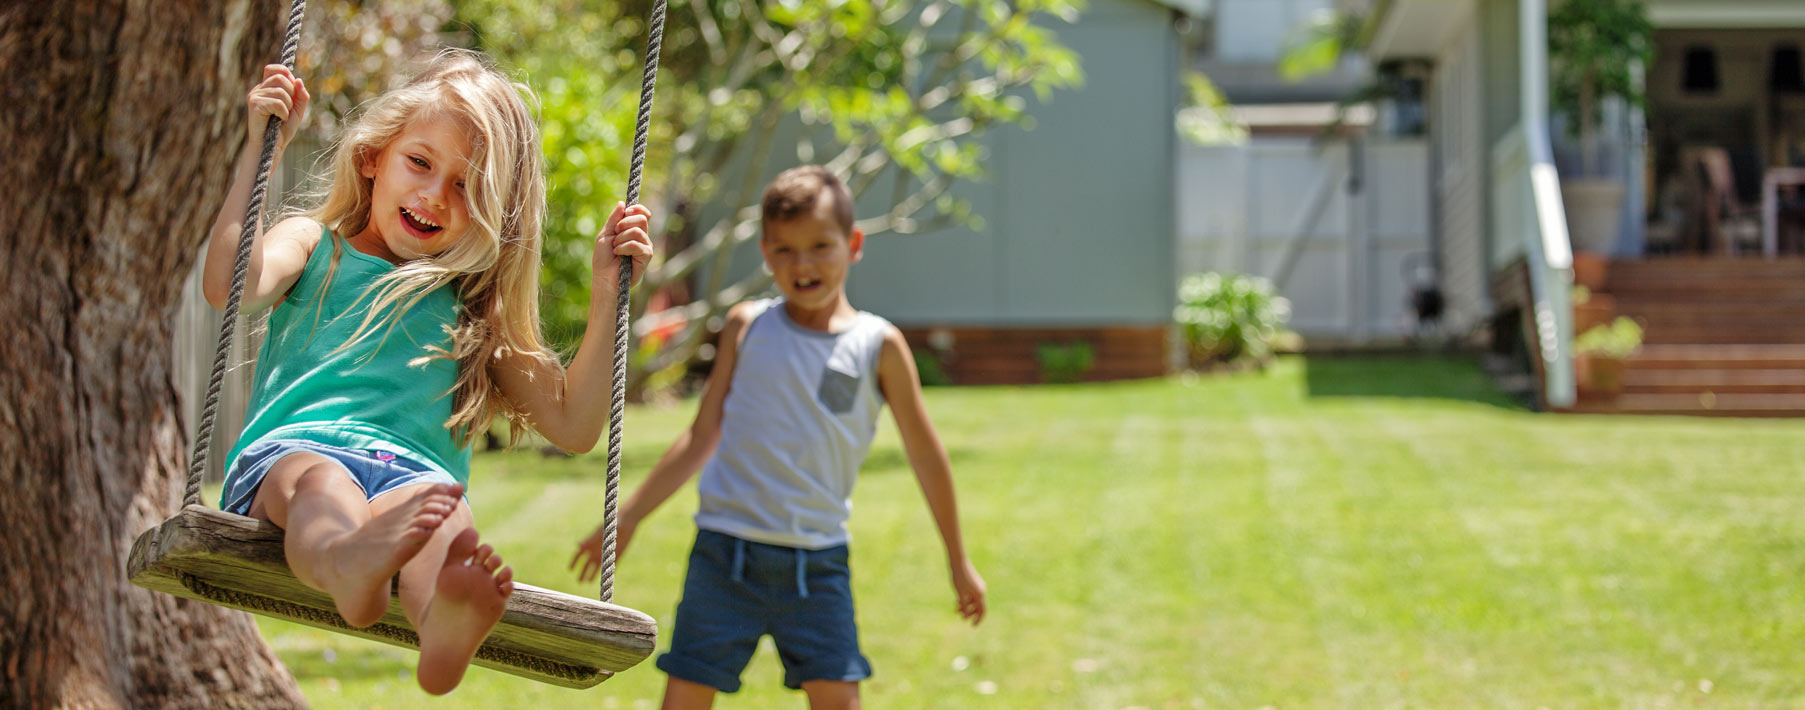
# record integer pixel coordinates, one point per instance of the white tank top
(797, 423)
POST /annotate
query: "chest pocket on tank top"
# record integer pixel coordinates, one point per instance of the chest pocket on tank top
(838, 390)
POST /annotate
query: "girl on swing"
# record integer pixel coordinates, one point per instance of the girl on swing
(405, 316)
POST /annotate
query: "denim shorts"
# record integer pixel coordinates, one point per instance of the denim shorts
(376, 472)
(738, 590)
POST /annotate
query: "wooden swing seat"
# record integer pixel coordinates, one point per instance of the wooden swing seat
(231, 560)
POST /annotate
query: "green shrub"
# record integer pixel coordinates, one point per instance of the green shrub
(929, 369)
(1066, 362)
(1619, 339)
(1226, 318)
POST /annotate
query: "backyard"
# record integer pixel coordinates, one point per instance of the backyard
(1332, 533)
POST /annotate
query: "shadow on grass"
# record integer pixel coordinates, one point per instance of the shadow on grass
(528, 463)
(1403, 376)
(351, 661)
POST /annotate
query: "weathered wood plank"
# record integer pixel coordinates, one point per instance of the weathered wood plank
(230, 560)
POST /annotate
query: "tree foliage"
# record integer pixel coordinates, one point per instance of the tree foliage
(353, 50)
(891, 94)
(1598, 48)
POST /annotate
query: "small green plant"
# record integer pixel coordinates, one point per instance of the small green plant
(1064, 362)
(929, 369)
(1617, 339)
(1227, 318)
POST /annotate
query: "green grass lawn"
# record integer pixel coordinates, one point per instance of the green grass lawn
(1350, 533)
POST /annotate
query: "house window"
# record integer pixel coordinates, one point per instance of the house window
(1699, 70)
(1784, 75)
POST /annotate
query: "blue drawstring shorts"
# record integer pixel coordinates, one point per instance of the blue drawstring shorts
(377, 472)
(738, 590)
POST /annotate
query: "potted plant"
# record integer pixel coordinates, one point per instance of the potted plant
(1595, 47)
(1599, 354)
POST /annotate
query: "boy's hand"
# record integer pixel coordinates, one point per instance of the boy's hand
(623, 235)
(280, 94)
(589, 551)
(970, 588)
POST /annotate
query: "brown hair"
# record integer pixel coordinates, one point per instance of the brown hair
(794, 192)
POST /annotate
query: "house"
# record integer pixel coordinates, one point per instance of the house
(1691, 256)
(1077, 242)
(1075, 246)
(1328, 201)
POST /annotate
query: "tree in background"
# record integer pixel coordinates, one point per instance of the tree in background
(893, 95)
(353, 50)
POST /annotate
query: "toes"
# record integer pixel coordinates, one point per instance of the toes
(462, 546)
(504, 580)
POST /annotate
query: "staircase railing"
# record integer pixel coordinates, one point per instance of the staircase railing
(1547, 249)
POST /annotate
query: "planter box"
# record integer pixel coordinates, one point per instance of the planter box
(1598, 376)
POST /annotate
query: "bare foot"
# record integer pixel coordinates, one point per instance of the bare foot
(357, 567)
(470, 595)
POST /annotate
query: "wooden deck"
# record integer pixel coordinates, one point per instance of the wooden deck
(1722, 337)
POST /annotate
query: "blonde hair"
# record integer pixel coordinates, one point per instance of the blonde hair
(494, 266)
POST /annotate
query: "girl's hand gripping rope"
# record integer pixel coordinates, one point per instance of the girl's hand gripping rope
(280, 94)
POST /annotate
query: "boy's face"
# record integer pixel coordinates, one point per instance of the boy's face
(810, 255)
(418, 207)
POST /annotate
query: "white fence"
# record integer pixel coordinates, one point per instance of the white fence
(1336, 225)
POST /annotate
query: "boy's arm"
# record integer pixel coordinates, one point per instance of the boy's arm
(569, 405)
(902, 389)
(685, 456)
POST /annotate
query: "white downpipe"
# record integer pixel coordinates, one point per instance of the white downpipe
(1549, 252)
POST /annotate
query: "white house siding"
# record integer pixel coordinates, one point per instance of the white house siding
(1459, 138)
(1500, 25)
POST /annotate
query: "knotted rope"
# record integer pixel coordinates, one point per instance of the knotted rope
(253, 223)
(618, 408)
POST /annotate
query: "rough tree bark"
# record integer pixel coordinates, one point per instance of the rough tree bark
(120, 119)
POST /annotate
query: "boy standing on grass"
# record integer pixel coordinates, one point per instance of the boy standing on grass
(786, 418)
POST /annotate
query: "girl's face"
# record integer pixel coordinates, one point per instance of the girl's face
(417, 202)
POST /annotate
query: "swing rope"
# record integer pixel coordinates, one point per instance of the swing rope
(617, 408)
(253, 221)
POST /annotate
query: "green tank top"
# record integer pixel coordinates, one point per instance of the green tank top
(366, 396)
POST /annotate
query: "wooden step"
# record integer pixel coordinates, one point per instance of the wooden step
(1751, 356)
(1701, 404)
(1678, 309)
(1704, 335)
(1788, 291)
(1720, 381)
(1680, 268)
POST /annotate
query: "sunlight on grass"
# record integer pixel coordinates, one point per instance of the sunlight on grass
(1348, 533)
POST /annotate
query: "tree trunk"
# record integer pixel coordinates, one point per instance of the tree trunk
(120, 119)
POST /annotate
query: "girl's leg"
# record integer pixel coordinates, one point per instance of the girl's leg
(454, 591)
(680, 694)
(832, 694)
(336, 542)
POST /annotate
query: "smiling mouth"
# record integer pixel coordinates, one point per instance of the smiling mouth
(423, 226)
(806, 284)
